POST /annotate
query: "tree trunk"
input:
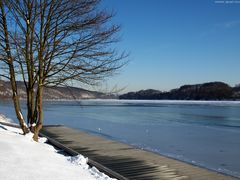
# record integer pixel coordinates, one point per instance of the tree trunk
(30, 108)
(15, 96)
(39, 96)
(30, 68)
(40, 111)
(17, 102)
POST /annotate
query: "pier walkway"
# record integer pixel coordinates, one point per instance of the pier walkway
(126, 161)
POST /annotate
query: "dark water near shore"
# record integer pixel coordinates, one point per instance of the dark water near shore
(202, 133)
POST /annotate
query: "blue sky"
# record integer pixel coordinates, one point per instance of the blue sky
(176, 42)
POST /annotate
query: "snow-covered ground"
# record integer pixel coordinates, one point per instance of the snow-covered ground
(21, 158)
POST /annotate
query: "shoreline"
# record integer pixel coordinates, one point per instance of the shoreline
(225, 155)
(134, 100)
(72, 152)
(171, 156)
(148, 157)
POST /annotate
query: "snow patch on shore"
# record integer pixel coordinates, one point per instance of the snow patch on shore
(19, 153)
(82, 161)
(79, 160)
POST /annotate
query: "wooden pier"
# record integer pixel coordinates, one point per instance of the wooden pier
(123, 161)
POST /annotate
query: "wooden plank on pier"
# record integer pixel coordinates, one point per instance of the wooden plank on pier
(129, 162)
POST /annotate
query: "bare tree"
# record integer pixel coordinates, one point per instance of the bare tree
(49, 42)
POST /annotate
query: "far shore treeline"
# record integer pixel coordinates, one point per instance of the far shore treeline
(205, 91)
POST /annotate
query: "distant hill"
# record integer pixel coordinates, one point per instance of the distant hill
(53, 93)
(205, 91)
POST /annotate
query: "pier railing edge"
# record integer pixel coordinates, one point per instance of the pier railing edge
(91, 162)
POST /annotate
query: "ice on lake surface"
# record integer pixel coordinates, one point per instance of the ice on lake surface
(205, 133)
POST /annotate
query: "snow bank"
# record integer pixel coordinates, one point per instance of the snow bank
(30, 160)
(82, 161)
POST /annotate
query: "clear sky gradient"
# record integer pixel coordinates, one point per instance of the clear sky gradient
(176, 42)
